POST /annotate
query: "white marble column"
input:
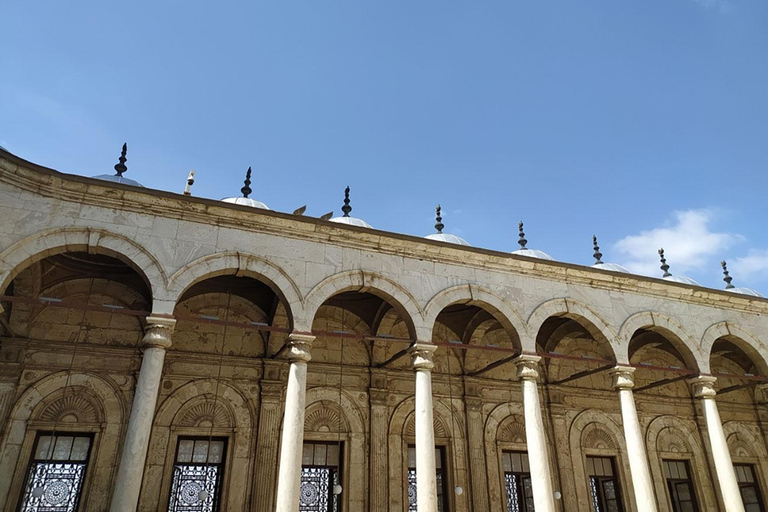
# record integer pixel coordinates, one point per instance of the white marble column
(157, 338)
(536, 439)
(426, 474)
(623, 382)
(292, 441)
(704, 389)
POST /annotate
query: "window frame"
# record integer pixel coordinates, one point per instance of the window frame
(668, 481)
(341, 468)
(754, 467)
(446, 469)
(616, 477)
(219, 502)
(521, 497)
(32, 444)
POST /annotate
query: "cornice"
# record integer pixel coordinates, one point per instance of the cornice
(45, 182)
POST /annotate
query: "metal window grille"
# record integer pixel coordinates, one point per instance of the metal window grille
(197, 475)
(439, 478)
(320, 467)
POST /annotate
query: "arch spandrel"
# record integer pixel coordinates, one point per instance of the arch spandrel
(666, 326)
(367, 282)
(239, 264)
(48, 243)
(755, 349)
(474, 295)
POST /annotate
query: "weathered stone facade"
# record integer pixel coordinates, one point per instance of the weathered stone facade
(165, 298)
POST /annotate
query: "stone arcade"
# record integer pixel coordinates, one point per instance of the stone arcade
(165, 352)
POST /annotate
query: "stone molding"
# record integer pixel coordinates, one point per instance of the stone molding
(158, 332)
(299, 346)
(422, 355)
(703, 386)
(623, 377)
(527, 367)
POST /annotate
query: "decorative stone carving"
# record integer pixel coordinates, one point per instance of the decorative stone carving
(512, 430)
(527, 367)
(623, 377)
(72, 408)
(598, 438)
(440, 430)
(206, 414)
(299, 346)
(672, 442)
(324, 418)
(739, 447)
(422, 355)
(703, 386)
(158, 332)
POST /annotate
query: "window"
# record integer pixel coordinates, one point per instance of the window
(517, 481)
(442, 504)
(197, 475)
(319, 475)
(750, 490)
(56, 472)
(680, 486)
(604, 485)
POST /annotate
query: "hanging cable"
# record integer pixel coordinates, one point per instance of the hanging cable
(337, 488)
(458, 489)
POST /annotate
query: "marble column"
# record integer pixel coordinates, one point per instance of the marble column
(704, 389)
(623, 382)
(536, 439)
(157, 338)
(426, 473)
(292, 441)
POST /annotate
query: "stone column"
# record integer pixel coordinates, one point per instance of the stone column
(704, 389)
(623, 382)
(157, 339)
(538, 455)
(477, 462)
(292, 441)
(268, 437)
(426, 473)
(379, 464)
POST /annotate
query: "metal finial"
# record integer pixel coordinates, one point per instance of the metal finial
(246, 190)
(439, 225)
(727, 277)
(190, 182)
(346, 208)
(597, 254)
(664, 265)
(522, 241)
(120, 166)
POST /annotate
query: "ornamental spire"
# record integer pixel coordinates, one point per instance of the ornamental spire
(664, 265)
(439, 225)
(246, 190)
(346, 208)
(597, 254)
(727, 278)
(120, 166)
(522, 241)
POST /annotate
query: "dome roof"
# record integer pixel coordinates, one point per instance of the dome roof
(246, 190)
(669, 277)
(346, 219)
(120, 168)
(530, 253)
(444, 237)
(599, 264)
(734, 289)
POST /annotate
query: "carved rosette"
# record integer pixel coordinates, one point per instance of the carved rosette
(623, 377)
(299, 346)
(527, 367)
(158, 332)
(422, 355)
(703, 386)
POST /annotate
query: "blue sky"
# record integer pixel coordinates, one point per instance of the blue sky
(645, 122)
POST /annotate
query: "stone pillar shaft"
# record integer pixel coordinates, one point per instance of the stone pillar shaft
(157, 339)
(426, 473)
(640, 472)
(704, 389)
(289, 476)
(538, 455)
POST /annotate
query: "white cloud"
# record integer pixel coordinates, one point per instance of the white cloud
(688, 242)
(755, 262)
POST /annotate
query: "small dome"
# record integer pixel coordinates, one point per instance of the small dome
(613, 267)
(245, 201)
(346, 219)
(681, 279)
(445, 237)
(120, 168)
(524, 251)
(746, 291)
(351, 221)
(118, 179)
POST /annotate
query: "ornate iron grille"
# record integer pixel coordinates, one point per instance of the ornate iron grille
(53, 487)
(316, 490)
(188, 483)
(513, 500)
(412, 490)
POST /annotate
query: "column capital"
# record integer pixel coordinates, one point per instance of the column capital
(527, 366)
(623, 377)
(422, 354)
(298, 346)
(703, 386)
(158, 331)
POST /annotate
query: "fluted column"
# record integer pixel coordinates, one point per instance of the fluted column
(426, 475)
(475, 437)
(538, 456)
(623, 382)
(157, 339)
(270, 416)
(704, 389)
(379, 465)
(289, 476)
